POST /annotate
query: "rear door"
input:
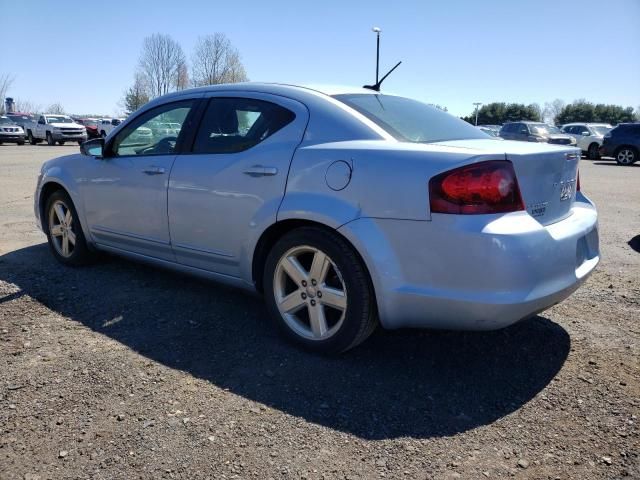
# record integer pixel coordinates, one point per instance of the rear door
(233, 179)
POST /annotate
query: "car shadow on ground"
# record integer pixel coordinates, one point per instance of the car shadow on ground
(404, 383)
(614, 164)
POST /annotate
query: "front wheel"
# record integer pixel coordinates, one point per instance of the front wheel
(50, 141)
(64, 233)
(20, 142)
(626, 156)
(60, 143)
(594, 152)
(318, 291)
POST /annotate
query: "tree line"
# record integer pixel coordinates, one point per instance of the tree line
(556, 112)
(163, 67)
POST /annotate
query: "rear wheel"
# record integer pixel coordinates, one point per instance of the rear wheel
(64, 233)
(20, 142)
(60, 142)
(594, 151)
(626, 156)
(50, 140)
(32, 140)
(318, 291)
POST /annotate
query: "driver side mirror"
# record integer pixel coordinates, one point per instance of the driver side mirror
(93, 147)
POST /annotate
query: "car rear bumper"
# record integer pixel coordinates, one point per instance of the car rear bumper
(479, 272)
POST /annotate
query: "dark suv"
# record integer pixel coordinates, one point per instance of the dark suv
(622, 143)
(535, 132)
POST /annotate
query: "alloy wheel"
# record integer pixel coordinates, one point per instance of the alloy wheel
(310, 293)
(625, 156)
(61, 229)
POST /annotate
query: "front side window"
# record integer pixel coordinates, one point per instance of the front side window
(408, 120)
(149, 134)
(232, 125)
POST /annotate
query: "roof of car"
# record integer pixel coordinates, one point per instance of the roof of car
(278, 88)
(593, 124)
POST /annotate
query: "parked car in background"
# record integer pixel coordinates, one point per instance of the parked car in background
(622, 143)
(26, 120)
(10, 132)
(489, 131)
(526, 131)
(56, 128)
(91, 125)
(107, 125)
(493, 128)
(588, 136)
(346, 208)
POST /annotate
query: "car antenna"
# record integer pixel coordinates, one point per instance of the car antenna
(376, 86)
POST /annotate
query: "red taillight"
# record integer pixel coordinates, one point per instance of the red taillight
(486, 187)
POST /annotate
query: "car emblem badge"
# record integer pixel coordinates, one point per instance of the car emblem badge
(566, 190)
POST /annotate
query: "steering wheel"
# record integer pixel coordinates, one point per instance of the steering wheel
(166, 145)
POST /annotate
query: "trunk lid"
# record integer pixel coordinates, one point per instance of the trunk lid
(547, 174)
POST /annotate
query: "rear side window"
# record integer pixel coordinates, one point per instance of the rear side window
(232, 125)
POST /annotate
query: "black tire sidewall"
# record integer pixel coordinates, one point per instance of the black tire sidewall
(50, 140)
(81, 253)
(354, 275)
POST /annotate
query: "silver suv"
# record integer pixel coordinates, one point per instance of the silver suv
(588, 136)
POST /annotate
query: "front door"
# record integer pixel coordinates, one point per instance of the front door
(234, 177)
(125, 193)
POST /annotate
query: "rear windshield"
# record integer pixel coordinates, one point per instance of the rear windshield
(409, 120)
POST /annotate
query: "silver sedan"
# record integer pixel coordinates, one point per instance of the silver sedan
(345, 208)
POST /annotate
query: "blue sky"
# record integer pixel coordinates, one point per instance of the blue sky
(454, 52)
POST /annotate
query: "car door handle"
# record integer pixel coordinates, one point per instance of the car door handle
(154, 170)
(260, 171)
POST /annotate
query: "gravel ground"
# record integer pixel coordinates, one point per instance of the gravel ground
(120, 370)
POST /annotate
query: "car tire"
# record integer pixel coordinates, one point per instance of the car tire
(593, 153)
(20, 142)
(32, 140)
(626, 156)
(64, 232)
(1, 143)
(103, 134)
(50, 141)
(329, 314)
(60, 143)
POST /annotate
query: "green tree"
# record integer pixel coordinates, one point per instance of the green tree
(136, 96)
(497, 113)
(583, 111)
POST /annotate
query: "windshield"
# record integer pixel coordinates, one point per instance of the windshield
(58, 119)
(409, 120)
(543, 129)
(22, 118)
(5, 121)
(601, 129)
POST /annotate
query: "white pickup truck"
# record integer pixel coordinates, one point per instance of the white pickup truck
(56, 128)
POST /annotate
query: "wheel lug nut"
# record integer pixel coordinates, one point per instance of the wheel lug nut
(304, 283)
(313, 303)
(304, 296)
(313, 282)
(319, 294)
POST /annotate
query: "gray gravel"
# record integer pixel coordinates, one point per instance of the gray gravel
(120, 370)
